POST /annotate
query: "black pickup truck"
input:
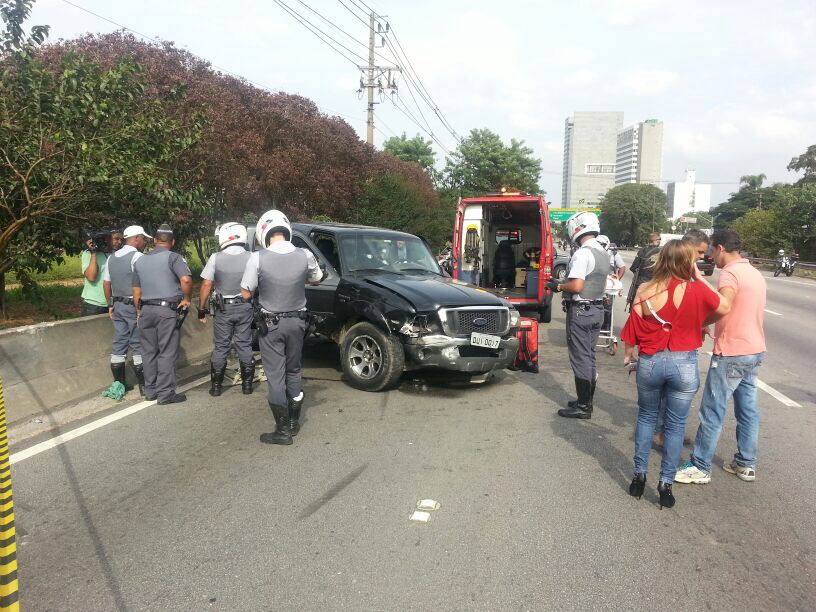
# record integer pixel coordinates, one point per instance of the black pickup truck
(388, 305)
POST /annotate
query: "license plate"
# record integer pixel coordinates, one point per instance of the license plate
(485, 340)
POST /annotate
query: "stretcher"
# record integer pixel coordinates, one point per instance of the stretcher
(607, 339)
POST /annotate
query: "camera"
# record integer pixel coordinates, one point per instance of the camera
(99, 239)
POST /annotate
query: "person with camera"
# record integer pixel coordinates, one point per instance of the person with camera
(232, 314)
(162, 292)
(118, 284)
(279, 272)
(93, 261)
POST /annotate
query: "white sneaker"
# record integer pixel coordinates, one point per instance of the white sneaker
(748, 474)
(688, 473)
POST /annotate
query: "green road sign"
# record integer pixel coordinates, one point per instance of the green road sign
(559, 215)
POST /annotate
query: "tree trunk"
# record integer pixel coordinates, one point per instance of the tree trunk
(3, 313)
(199, 247)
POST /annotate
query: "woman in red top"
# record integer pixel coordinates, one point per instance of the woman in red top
(665, 323)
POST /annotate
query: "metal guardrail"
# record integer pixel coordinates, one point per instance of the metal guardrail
(772, 262)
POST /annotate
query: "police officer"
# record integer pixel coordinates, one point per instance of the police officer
(585, 284)
(232, 313)
(279, 272)
(117, 280)
(616, 264)
(162, 291)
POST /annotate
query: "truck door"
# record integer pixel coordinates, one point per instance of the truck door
(319, 298)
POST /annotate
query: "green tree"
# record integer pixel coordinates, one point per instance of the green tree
(750, 195)
(762, 234)
(416, 149)
(482, 163)
(806, 163)
(75, 137)
(630, 212)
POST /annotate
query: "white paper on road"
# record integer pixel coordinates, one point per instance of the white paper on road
(428, 505)
(421, 517)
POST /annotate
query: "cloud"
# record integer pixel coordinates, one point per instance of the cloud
(581, 78)
(647, 82)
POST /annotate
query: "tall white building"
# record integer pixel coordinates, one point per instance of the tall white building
(688, 197)
(640, 153)
(589, 157)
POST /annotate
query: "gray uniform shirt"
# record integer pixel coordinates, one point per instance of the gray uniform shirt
(158, 273)
(250, 280)
(582, 265)
(124, 251)
(211, 272)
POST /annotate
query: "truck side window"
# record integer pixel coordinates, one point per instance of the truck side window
(327, 246)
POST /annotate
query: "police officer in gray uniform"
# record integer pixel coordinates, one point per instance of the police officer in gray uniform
(232, 314)
(279, 272)
(586, 281)
(162, 288)
(118, 286)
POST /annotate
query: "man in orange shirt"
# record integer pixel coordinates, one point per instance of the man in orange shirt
(739, 348)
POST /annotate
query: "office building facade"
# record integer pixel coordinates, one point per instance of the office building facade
(640, 153)
(590, 152)
(687, 197)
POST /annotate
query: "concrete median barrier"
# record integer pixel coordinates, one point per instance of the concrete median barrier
(49, 365)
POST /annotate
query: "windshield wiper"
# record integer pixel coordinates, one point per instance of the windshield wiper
(420, 270)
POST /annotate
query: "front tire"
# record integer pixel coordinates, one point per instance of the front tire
(777, 271)
(789, 272)
(372, 360)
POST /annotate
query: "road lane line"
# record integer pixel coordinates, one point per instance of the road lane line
(787, 280)
(89, 427)
(773, 392)
(778, 314)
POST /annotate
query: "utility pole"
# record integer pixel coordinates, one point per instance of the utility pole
(370, 122)
(375, 73)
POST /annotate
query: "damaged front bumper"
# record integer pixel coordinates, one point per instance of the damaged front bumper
(455, 353)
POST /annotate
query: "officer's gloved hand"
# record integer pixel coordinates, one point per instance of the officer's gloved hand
(553, 285)
(202, 314)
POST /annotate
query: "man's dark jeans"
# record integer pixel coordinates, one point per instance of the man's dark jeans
(89, 309)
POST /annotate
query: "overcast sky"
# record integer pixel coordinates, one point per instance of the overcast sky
(732, 80)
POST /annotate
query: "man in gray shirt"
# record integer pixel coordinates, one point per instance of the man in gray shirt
(279, 272)
(162, 285)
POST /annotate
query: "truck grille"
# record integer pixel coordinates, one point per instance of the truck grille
(463, 321)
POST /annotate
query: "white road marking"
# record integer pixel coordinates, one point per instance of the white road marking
(778, 314)
(787, 280)
(773, 392)
(89, 427)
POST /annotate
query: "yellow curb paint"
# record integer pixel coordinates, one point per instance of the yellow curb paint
(9, 592)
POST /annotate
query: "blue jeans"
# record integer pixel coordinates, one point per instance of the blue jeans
(675, 377)
(737, 377)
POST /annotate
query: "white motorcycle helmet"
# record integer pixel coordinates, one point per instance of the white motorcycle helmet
(582, 223)
(781, 252)
(272, 221)
(604, 241)
(231, 233)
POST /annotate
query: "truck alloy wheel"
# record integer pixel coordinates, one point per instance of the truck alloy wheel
(372, 359)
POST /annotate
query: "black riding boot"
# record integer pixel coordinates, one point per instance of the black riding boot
(216, 379)
(247, 374)
(294, 415)
(583, 409)
(282, 435)
(119, 375)
(139, 369)
(574, 403)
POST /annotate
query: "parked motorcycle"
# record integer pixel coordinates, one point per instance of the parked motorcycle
(445, 259)
(786, 265)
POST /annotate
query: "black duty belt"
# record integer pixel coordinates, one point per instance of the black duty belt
(124, 300)
(167, 303)
(586, 302)
(235, 300)
(291, 314)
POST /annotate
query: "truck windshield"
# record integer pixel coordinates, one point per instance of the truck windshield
(400, 254)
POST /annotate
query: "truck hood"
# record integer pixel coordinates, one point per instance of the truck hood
(428, 293)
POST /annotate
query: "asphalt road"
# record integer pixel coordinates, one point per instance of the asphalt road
(181, 508)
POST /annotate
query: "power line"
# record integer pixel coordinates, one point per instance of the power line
(356, 16)
(312, 27)
(410, 116)
(334, 25)
(220, 69)
(435, 106)
(393, 133)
